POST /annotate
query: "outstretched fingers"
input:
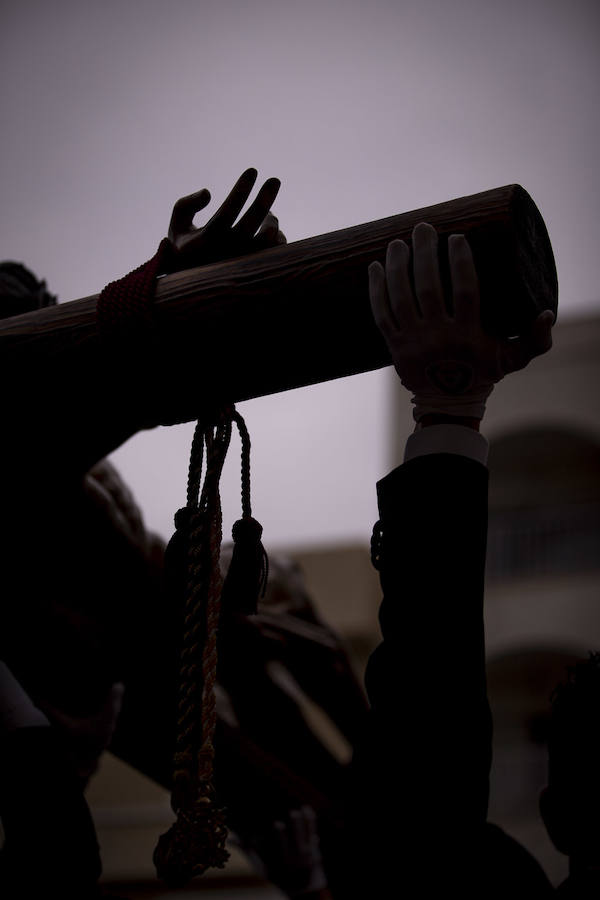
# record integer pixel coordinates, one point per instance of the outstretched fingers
(233, 204)
(258, 209)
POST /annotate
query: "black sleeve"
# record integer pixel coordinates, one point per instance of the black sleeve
(421, 770)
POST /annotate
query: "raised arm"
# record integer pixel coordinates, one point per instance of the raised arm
(422, 768)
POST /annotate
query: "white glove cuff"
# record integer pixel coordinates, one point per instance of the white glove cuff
(470, 406)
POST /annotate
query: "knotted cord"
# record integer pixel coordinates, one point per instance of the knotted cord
(196, 840)
(126, 305)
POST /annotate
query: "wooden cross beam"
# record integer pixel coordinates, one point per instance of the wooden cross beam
(286, 317)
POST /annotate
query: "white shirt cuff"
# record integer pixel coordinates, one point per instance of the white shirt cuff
(459, 439)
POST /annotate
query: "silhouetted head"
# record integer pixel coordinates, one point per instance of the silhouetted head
(570, 804)
(21, 291)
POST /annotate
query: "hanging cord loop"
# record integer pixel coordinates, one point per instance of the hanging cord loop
(196, 841)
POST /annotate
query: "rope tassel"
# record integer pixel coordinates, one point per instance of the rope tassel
(196, 841)
(248, 571)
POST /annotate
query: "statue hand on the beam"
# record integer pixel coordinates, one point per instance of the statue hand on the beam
(437, 343)
(220, 238)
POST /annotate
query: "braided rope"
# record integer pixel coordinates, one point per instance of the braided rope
(209, 661)
(125, 309)
(197, 839)
(196, 464)
(245, 439)
(126, 306)
(201, 614)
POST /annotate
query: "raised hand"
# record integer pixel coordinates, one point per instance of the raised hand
(438, 346)
(220, 238)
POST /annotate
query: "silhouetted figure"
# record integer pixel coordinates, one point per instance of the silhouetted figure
(71, 558)
(81, 584)
(569, 804)
(90, 642)
(46, 757)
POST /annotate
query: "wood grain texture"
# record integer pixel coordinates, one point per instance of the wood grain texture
(290, 316)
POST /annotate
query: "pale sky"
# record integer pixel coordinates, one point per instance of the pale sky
(113, 110)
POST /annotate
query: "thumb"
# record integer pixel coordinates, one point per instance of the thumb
(184, 211)
(542, 331)
(538, 340)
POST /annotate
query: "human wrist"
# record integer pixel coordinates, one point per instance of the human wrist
(447, 437)
(444, 419)
(454, 406)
